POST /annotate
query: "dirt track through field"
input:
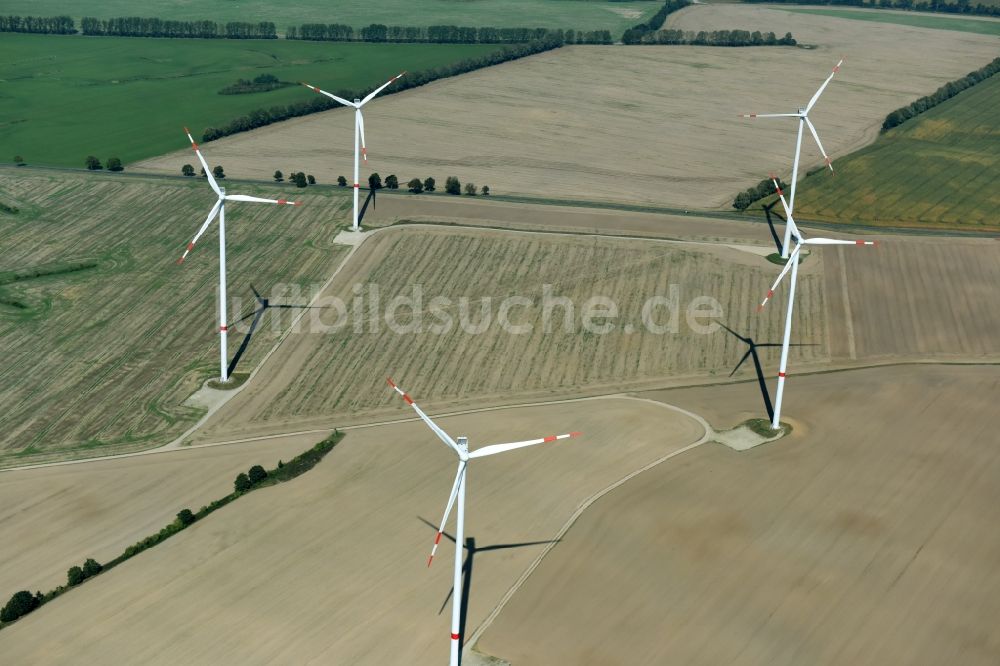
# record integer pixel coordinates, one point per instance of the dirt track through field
(231, 589)
(865, 538)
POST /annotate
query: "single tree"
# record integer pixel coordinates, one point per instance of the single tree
(74, 576)
(374, 181)
(470, 189)
(300, 179)
(242, 483)
(91, 567)
(218, 173)
(429, 184)
(18, 160)
(415, 186)
(93, 163)
(341, 181)
(392, 182)
(20, 604)
(185, 517)
(311, 178)
(278, 176)
(115, 164)
(257, 474)
(187, 170)
(485, 189)
(452, 185)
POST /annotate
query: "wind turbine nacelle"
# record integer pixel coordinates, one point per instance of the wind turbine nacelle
(357, 101)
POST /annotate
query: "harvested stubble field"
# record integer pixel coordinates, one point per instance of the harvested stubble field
(939, 170)
(642, 125)
(103, 359)
(978, 24)
(325, 374)
(331, 567)
(56, 517)
(864, 538)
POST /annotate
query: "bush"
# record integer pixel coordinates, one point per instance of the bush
(485, 190)
(115, 164)
(20, 604)
(91, 567)
(341, 181)
(415, 186)
(218, 173)
(257, 474)
(18, 160)
(470, 189)
(311, 179)
(278, 176)
(93, 163)
(300, 179)
(242, 483)
(392, 182)
(429, 184)
(185, 517)
(374, 181)
(75, 576)
(187, 170)
(452, 185)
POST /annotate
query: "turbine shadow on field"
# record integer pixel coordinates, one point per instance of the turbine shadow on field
(752, 353)
(471, 549)
(770, 223)
(263, 304)
(370, 198)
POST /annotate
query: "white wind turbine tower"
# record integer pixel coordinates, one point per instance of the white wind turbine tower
(793, 266)
(219, 209)
(457, 497)
(803, 115)
(359, 131)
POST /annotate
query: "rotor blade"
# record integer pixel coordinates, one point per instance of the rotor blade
(792, 258)
(380, 89)
(447, 509)
(330, 95)
(832, 241)
(826, 157)
(735, 334)
(361, 128)
(500, 448)
(204, 164)
(433, 426)
(208, 221)
(243, 197)
(789, 220)
(819, 92)
(769, 115)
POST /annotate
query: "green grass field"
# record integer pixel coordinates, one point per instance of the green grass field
(576, 14)
(983, 26)
(64, 98)
(102, 351)
(939, 170)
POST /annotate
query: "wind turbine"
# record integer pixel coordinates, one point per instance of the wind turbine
(803, 115)
(792, 265)
(219, 209)
(457, 497)
(359, 131)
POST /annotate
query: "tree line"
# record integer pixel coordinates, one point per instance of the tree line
(137, 26)
(764, 188)
(636, 34)
(23, 602)
(717, 38)
(959, 7)
(441, 34)
(262, 117)
(52, 25)
(944, 93)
